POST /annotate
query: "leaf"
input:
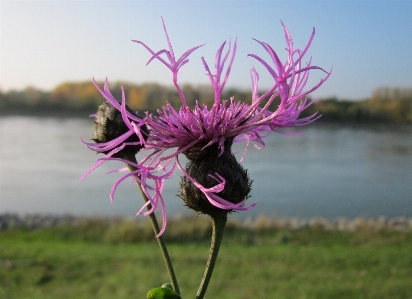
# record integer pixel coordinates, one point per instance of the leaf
(167, 285)
(162, 293)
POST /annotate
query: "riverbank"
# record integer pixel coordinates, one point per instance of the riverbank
(40, 221)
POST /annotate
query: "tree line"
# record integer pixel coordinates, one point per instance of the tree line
(386, 105)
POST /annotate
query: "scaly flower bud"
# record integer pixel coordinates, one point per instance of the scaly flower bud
(203, 167)
(109, 125)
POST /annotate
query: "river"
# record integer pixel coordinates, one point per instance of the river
(330, 171)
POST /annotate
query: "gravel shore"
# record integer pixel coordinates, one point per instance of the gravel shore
(39, 221)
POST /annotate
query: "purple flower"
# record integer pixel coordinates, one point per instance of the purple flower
(117, 128)
(205, 134)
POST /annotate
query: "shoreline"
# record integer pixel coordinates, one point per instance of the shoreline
(85, 115)
(40, 221)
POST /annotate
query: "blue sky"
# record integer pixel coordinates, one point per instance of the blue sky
(45, 43)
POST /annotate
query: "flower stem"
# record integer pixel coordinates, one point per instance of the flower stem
(156, 229)
(218, 227)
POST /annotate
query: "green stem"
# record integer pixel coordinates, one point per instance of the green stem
(156, 229)
(218, 227)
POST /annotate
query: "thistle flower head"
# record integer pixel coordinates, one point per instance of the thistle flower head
(118, 130)
(213, 181)
(211, 173)
(109, 125)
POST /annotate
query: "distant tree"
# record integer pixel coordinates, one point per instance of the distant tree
(77, 95)
(391, 105)
(191, 94)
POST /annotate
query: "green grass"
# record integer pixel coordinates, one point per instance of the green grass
(98, 260)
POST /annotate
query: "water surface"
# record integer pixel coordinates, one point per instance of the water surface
(330, 171)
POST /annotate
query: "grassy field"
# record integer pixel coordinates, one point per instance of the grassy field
(96, 259)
